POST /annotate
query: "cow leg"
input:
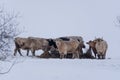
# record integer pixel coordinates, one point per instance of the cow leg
(98, 56)
(80, 55)
(81, 51)
(20, 52)
(61, 56)
(95, 55)
(15, 51)
(33, 52)
(103, 56)
(27, 52)
(65, 56)
(73, 56)
(77, 55)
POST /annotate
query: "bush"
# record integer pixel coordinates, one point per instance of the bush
(8, 31)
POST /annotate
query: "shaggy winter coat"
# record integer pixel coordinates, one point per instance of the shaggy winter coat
(101, 47)
(67, 46)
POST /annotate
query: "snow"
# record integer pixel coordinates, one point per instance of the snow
(63, 69)
(53, 18)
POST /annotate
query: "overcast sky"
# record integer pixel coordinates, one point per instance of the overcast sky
(51, 18)
(54, 18)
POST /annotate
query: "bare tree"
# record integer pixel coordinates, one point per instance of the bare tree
(8, 31)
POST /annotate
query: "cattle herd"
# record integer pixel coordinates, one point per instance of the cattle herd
(62, 47)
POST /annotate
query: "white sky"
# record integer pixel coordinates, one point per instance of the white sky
(54, 18)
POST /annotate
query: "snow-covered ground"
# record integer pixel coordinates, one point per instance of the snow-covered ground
(55, 18)
(27, 68)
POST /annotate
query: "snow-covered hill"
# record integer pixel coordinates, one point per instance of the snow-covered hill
(27, 68)
(56, 18)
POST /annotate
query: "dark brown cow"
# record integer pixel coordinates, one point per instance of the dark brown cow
(92, 45)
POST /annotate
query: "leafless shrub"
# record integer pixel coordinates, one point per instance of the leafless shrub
(8, 31)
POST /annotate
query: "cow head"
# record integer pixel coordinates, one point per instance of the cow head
(52, 43)
(91, 43)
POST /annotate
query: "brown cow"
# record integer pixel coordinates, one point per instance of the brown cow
(99, 47)
(77, 38)
(68, 46)
(30, 43)
(92, 45)
(19, 42)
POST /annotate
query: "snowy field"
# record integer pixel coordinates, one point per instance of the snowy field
(56, 18)
(27, 68)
